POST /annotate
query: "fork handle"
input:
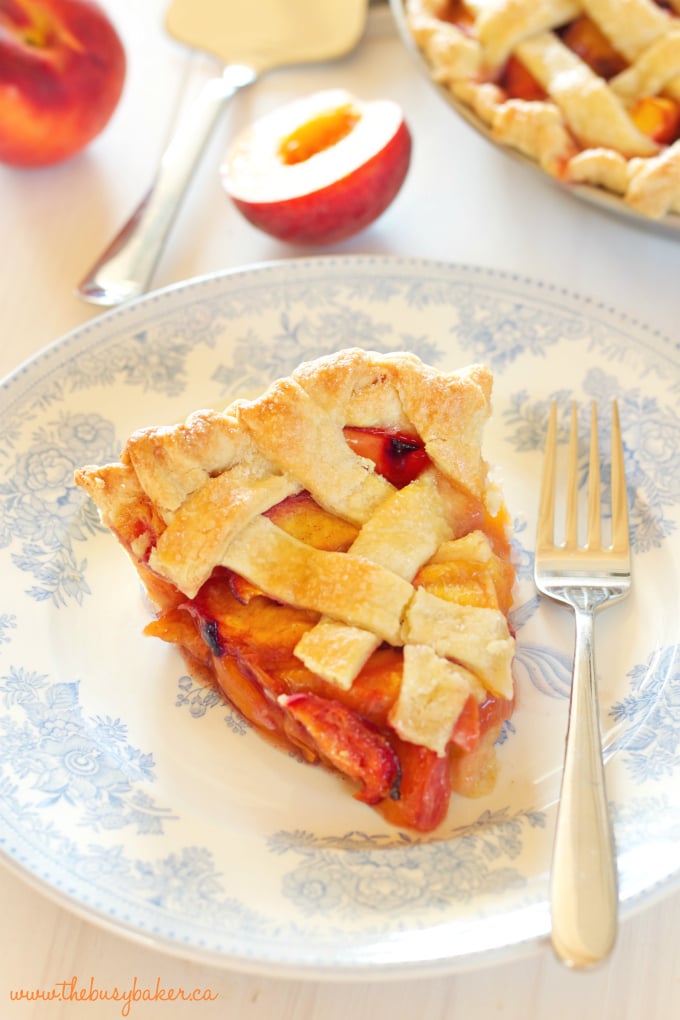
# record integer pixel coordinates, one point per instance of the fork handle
(584, 889)
(124, 270)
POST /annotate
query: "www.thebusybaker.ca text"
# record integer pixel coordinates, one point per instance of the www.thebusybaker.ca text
(75, 991)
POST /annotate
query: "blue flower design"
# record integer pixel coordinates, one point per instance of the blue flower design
(201, 698)
(198, 698)
(499, 331)
(8, 622)
(40, 506)
(84, 762)
(547, 669)
(303, 337)
(357, 872)
(650, 743)
(76, 769)
(185, 884)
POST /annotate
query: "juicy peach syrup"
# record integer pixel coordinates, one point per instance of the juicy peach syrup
(317, 134)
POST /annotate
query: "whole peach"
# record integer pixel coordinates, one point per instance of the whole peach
(62, 70)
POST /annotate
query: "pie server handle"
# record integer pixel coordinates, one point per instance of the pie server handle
(125, 268)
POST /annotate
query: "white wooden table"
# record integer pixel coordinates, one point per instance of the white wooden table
(463, 202)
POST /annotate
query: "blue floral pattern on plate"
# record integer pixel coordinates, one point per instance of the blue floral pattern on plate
(87, 764)
(133, 791)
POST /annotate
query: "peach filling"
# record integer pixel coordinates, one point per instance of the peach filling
(240, 639)
(658, 117)
(456, 13)
(518, 83)
(589, 43)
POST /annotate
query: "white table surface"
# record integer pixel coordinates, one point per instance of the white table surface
(463, 202)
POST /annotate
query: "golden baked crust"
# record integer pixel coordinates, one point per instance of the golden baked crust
(274, 501)
(588, 126)
(211, 476)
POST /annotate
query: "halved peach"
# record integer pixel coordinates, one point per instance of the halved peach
(319, 169)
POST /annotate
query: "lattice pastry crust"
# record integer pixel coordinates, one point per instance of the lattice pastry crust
(201, 501)
(586, 128)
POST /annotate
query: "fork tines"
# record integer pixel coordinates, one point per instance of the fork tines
(545, 538)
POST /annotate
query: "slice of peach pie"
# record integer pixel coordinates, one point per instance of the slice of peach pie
(333, 557)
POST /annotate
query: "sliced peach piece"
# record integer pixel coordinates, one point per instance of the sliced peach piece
(349, 744)
(398, 456)
(456, 13)
(424, 790)
(588, 41)
(658, 117)
(518, 83)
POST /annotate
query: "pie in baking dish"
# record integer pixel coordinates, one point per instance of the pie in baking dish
(590, 89)
(333, 556)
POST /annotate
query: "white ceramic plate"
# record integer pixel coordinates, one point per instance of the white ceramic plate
(139, 798)
(607, 201)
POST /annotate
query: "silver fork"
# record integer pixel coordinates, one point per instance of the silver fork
(587, 578)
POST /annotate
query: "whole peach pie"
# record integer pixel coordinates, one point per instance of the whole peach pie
(334, 558)
(590, 89)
